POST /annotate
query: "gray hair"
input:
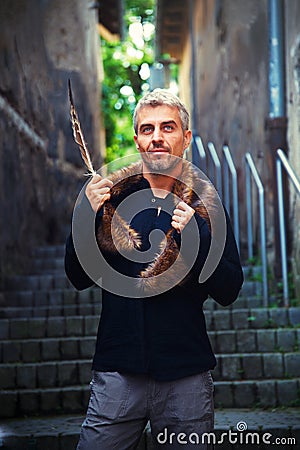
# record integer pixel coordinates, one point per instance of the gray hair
(159, 97)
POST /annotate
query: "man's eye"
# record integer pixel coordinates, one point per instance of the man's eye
(146, 130)
(168, 127)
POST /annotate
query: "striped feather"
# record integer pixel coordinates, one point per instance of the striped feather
(78, 135)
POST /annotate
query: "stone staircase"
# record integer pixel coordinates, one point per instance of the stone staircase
(47, 339)
(257, 352)
(48, 332)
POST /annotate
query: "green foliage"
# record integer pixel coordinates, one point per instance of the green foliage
(124, 81)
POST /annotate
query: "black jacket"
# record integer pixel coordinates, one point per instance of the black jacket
(163, 335)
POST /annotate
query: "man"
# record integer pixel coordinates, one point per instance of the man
(153, 357)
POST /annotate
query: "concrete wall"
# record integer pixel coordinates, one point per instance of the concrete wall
(42, 44)
(292, 20)
(230, 98)
(232, 93)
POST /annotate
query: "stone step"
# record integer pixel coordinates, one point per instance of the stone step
(60, 400)
(45, 350)
(62, 432)
(46, 265)
(37, 282)
(255, 341)
(260, 366)
(42, 327)
(234, 367)
(241, 303)
(49, 297)
(67, 302)
(251, 288)
(52, 374)
(78, 309)
(48, 327)
(74, 399)
(67, 296)
(223, 342)
(252, 318)
(257, 393)
(59, 296)
(49, 252)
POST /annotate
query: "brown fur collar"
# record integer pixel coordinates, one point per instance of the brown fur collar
(123, 236)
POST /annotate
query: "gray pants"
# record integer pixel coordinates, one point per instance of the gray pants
(121, 405)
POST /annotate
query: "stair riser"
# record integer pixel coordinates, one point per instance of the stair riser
(43, 265)
(223, 342)
(229, 368)
(45, 375)
(255, 318)
(257, 366)
(37, 282)
(255, 341)
(42, 327)
(245, 394)
(75, 326)
(43, 350)
(49, 298)
(49, 252)
(12, 301)
(77, 309)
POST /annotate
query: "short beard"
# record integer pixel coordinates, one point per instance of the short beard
(160, 166)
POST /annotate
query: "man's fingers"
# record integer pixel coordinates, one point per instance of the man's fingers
(178, 212)
(101, 191)
(98, 191)
(182, 206)
(182, 214)
(177, 226)
(98, 182)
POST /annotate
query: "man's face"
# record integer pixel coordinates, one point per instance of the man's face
(160, 137)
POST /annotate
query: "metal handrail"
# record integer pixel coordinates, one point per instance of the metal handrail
(251, 170)
(198, 153)
(283, 161)
(229, 166)
(217, 174)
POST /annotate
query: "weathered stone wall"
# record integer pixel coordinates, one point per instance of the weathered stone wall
(231, 97)
(42, 44)
(292, 19)
(231, 66)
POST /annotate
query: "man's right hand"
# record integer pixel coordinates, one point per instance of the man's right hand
(98, 191)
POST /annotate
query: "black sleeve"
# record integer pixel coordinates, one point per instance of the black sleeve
(73, 268)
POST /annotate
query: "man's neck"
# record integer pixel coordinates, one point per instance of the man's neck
(160, 183)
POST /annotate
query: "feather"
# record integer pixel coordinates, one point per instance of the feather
(78, 135)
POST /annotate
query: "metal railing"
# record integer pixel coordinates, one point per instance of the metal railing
(251, 170)
(229, 167)
(214, 168)
(199, 158)
(198, 153)
(282, 161)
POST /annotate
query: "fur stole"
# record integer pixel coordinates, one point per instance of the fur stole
(123, 236)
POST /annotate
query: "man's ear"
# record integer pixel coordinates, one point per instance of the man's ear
(136, 143)
(187, 138)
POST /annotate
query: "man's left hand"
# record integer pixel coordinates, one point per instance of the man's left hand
(182, 214)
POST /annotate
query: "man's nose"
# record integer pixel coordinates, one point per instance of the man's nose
(157, 135)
